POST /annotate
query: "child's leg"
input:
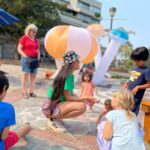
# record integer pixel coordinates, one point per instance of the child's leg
(23, 131)
(14, 137)
(90, 104)
(136, 107)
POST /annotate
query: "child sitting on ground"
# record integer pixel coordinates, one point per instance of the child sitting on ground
(7, 118)
(103, 144)
(88, 87)
(107, 108)
(121, 129)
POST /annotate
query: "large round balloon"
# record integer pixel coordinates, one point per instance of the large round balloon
(92, 54)
(96, 29)
(61, 39)
(52, 40)
(80, 41)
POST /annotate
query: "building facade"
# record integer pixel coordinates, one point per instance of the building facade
(80, 12)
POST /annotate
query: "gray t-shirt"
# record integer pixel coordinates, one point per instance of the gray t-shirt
(126, 133)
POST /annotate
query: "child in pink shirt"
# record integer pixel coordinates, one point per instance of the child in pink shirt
(88, 87)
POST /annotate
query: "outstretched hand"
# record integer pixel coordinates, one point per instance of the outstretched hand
(135, 90)
(90, 99)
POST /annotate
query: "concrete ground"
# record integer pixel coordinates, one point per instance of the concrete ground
(80, 131)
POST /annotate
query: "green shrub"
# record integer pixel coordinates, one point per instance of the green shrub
(116, 76)
(97, 15)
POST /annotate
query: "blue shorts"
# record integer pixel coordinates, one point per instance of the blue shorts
(25, 67)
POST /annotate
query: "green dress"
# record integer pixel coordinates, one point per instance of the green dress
(69, 85)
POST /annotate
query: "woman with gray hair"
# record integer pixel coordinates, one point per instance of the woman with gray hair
(29, 49)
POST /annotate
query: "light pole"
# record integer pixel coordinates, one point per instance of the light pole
(112, 12)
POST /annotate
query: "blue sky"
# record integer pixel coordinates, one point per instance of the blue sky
(137, 18)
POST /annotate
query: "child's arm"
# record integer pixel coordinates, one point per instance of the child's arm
(141, 87)
(99, 118)
(94, 89)
(4, 134)
(93, 85)
(102, 114)
(141, 130)
(73, 97)
(108, 130)
(144, 86)
(82, 89)
(10, 122)
(125, 85)
(95, 92)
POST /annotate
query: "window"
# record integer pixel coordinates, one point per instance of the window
(68, 13)
(67, 0)
(94, 21)
(84, 18)
(95, 9)
(83, 5)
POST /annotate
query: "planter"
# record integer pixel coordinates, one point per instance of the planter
(97, 15)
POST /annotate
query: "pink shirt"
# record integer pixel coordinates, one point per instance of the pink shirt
(87, 89)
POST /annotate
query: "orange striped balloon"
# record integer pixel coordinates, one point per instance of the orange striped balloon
(64, 38)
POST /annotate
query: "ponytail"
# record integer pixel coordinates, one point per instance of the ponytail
(59, 82)
(129, 114)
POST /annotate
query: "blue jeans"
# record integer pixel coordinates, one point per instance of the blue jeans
(25, 67)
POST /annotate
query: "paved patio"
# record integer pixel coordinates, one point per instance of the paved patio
(81, 131)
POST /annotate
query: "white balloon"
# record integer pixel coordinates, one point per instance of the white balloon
(98, 56)
(76, 74)
(79, 40)
(107, 59)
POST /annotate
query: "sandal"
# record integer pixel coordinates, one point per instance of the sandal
(25, 95)
(32, 95)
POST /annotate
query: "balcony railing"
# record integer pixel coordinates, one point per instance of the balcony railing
(69, 19)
